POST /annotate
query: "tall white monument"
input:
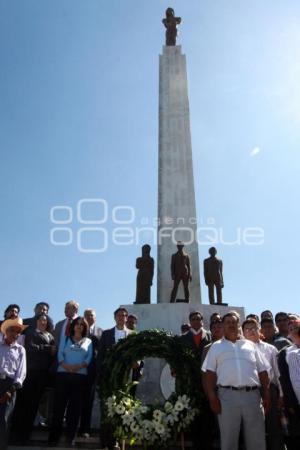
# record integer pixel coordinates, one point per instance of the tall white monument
(176, 212)
(176, 193)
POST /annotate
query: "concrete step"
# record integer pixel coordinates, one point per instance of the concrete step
(39, 442)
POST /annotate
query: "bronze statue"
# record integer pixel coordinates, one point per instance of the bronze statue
(145, 265)
(180, 271)
(171, 22)
(213, 275)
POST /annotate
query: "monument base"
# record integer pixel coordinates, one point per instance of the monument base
(157, 383)
(170, 316)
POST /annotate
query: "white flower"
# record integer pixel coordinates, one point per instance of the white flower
(157, 414)
(144, 409)
(127, 418)
(120, 409)
(147, 424)
(184, 399)
(139, 434)
(175, 415)
(159, 428)
(178, 406)
(111, 399)
(134, 427)
(168, 406)
(170, 419)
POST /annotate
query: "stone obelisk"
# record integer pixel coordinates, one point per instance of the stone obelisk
(176, 213)
(176, 194)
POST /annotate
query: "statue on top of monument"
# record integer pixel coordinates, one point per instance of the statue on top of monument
(213, 275)
(180, 271)
(171, 22)
(145, 266)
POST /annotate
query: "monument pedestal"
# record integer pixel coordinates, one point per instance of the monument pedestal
(156, 382)
(170, 316)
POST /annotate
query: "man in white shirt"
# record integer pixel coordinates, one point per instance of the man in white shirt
(113, 335)
(108, 339)
(235, 370)
(274, 433)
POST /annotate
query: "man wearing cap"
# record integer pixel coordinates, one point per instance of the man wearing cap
(180, 271)
(12, 373)
(213, 275)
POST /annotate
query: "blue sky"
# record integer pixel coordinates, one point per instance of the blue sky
(79, 120)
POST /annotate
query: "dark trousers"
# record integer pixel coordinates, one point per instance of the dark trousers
(272, 422)
(6, 410)
(293, 440)
(202, 429)
(87, 406)
(211, 293)
(185, 281)
(106, 429)
(28, 399)
(69, 390)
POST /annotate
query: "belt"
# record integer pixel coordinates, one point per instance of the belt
(240, 388)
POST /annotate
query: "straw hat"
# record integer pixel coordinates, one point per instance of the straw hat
(18, 322)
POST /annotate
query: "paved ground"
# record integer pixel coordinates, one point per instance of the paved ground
(39, 442)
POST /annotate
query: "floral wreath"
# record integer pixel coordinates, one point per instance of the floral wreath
(151, 424)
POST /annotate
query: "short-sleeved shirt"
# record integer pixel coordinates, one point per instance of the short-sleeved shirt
(235, 363)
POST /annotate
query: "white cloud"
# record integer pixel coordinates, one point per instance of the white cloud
(254, 151)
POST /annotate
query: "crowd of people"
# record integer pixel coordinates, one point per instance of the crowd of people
(250, 376)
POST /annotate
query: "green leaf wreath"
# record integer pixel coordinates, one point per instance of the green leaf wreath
(133, 421)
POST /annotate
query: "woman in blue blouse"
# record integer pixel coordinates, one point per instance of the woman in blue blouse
(74, 356)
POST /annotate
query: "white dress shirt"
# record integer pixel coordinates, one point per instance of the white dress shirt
(120, 334)
(235, 363)
(200, 331)
(293, 361)
(196, 332)
(95, 331)
(270, 353)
